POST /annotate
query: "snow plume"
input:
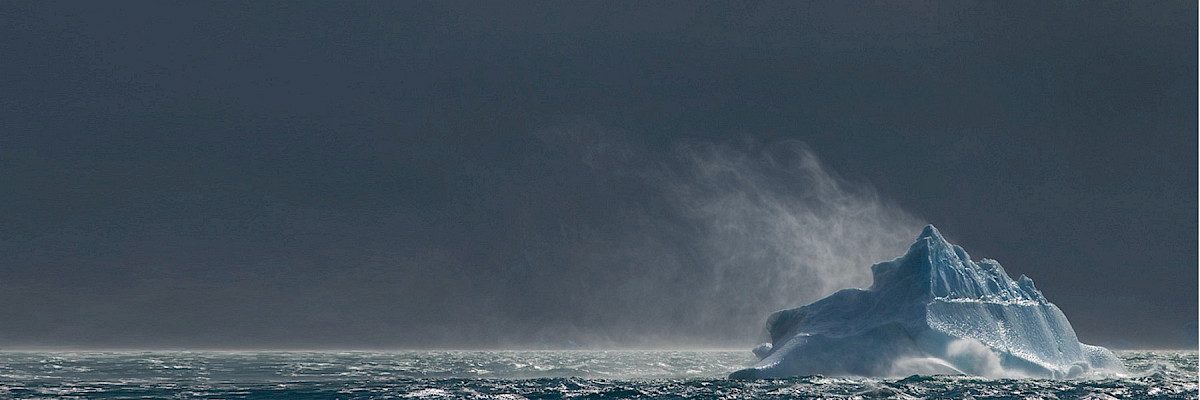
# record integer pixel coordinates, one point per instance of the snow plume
(778, 228)
(617, 241)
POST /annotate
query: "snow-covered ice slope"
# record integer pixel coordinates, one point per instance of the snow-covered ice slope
(931, 311)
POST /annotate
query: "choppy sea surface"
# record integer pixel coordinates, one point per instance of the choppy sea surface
(524, 374)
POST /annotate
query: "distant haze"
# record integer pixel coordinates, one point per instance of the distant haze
(440, 174)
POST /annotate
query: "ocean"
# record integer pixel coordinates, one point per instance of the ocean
(524, 375)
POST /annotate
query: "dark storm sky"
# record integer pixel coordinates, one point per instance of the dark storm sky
(411, 174)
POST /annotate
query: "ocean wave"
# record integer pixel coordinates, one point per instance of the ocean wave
(521, 374)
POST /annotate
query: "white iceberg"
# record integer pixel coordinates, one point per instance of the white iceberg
(931, 311)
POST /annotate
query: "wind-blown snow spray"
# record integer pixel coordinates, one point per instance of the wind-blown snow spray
(931, 311)
(619, 244)
(775, 226)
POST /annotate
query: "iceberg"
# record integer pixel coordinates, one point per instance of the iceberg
(931, 311)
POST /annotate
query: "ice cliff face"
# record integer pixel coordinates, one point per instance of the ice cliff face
(931, 311)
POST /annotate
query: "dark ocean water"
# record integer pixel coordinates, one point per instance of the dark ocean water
(523, 374)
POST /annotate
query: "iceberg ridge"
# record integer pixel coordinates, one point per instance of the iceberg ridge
(931, 311)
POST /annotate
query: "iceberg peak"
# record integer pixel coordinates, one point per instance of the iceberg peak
(931, 232)
(944, 270)
(933, 310)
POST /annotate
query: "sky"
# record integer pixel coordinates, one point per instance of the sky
(594, 174)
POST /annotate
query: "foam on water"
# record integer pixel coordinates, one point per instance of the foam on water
(519, 374)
